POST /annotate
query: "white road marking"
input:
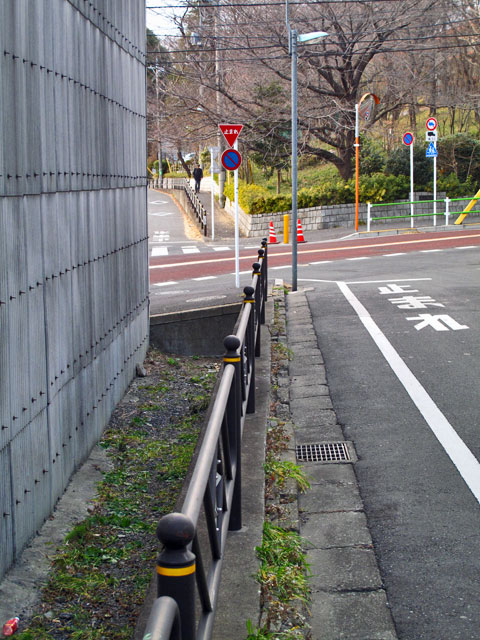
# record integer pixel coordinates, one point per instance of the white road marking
(360, 258)
(321, 262)
(221, 248)
(205, 278)
(161, 215)
(175, 292)
(472, 246)
(164, 284)
(190, 250)
(430, 250)
(458, 452)
(392, 255)
(158, 202)
(159, 251)
(285, 266)
(206, 299)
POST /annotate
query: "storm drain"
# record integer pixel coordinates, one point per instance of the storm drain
(323, 452)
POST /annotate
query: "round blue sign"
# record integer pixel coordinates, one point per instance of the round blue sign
(408, 138)
(231, 159)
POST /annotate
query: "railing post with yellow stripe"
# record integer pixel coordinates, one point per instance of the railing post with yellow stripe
(176, 568)
(233, 416)
(249, 298)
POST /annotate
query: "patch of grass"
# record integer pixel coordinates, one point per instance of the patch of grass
(101, 572)
(279, 471)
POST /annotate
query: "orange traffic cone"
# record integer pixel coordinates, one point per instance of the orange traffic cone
(272, 239)
(300, 237)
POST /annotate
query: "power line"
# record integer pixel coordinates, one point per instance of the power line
(332, 54)
(269, 4)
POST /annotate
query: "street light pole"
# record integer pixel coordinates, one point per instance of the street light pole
(294, 39)
(293, 50)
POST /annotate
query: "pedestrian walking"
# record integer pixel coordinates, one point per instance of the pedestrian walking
(197, 176)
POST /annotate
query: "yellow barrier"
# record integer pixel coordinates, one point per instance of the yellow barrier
(468, 208)
(286, 224)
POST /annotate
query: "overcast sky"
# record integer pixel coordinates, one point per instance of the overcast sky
(160, 20)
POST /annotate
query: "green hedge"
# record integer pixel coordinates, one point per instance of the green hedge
(376, 188)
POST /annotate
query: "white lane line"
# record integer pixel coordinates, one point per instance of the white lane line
(175, 292)
(458, 452)
(392, 255)
(164, 284)
(285, 266)
(391, 280)
(190, 250)
(205, 278)
(221, 248)
(472, 246)
(321, 262)
(360, 258)
(430, 250)
(159, 251)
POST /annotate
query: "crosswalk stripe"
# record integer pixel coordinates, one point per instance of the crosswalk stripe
(221, 248)
(159, 251)
(190, 250)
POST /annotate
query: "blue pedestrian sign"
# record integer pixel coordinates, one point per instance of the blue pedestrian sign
(431, 151)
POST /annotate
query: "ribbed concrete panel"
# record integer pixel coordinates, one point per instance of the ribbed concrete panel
(42, 495)
(5, 411)
(22, 486)
(6, 512)
(73, 240)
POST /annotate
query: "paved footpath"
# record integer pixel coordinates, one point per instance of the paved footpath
(348, 598)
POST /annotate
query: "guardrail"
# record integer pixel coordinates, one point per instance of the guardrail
(197, 206)
(430, 214)
(193, 200)
(184, 570)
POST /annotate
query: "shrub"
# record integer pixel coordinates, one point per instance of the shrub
(459, 155)
(398, 163)
(248, 195)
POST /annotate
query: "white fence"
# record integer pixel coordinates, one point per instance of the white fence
(73, 241)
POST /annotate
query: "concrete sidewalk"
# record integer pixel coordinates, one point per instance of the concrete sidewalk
(348, 600)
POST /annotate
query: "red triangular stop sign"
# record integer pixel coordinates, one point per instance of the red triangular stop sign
(231, 132)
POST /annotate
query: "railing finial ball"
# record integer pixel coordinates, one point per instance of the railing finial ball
(261, 253)
(231, 343)
(175, 530)
(248, 291)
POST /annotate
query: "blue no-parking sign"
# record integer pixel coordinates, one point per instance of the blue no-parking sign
(408, 138)
(231, 159)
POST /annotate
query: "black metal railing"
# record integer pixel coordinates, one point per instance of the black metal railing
(189, 566)
(198, 208)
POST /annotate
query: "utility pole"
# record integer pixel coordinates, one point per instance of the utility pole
(218, 95)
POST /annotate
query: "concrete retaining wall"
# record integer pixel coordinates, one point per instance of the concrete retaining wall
(194, 333)
(325, 217)
(73, 242)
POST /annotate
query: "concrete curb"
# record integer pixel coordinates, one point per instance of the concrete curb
(348, 597)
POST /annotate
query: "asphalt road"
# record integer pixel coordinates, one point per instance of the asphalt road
(401, 340)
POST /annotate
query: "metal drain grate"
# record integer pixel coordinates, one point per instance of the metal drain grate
(324, 452)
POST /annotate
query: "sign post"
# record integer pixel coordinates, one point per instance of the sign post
(237, 247)
(408, 141)
(213, 169)
(431, 125)
(231, 160)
